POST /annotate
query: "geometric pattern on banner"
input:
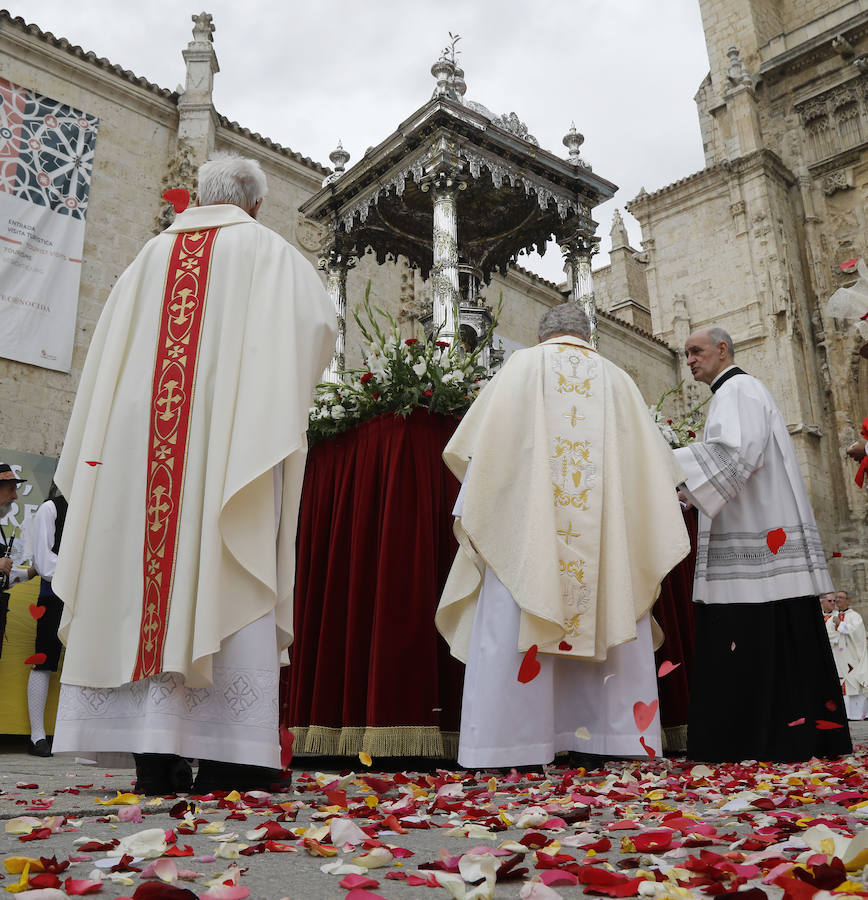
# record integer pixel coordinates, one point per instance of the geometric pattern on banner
(46, 150)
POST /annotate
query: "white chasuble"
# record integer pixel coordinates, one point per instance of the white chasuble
(572, 503)
(758, 539)
(171, 544)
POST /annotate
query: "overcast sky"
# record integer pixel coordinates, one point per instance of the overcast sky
(306, 74)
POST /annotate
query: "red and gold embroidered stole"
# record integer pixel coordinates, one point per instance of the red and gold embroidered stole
(174, 384)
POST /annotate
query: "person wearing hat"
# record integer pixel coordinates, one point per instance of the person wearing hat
(9, 573)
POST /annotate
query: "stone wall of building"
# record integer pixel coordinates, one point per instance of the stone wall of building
(138, 147)
(136, 135)
(754, 242)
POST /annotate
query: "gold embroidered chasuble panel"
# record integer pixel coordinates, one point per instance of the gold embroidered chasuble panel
(575, 412)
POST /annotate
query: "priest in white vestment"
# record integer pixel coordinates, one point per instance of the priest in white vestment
(827, 605)
(851, 656)
(567, 523)
(183, 465)
(764, 685)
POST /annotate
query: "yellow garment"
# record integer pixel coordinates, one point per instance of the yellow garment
(267, 334)
(514, 518)
(18, 645)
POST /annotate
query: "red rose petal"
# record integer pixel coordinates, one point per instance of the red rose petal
(530, 666)
(563, 645)
(796, 722)
(92, 462)
(649, 750)
(358, 881)
(178, 197)
(824, 724)
(643, 714)
(776, 539)
(79, 886)
(36, 660)
(286, 741)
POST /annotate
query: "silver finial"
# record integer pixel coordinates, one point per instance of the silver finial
(572, 141)
(458, 84)
(339, 158)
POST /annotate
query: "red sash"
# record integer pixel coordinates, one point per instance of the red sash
(863, 466)
(172, 393)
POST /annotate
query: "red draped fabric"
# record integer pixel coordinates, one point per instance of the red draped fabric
(674, 612)
(368, 669)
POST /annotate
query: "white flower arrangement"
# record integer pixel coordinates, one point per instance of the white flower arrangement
(399, 375)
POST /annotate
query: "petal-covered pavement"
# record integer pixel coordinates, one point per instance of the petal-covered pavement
(651, 828)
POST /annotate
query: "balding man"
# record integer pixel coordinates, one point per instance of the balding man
(851, 655)
(182, 466)
(764, 683)
(568, 522)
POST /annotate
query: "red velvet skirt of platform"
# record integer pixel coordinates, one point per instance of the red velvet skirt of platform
(675, 613)
(368, 669)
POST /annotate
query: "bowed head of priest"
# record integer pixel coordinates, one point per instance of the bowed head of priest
(564, 319)
(233, 180)
(709, 351)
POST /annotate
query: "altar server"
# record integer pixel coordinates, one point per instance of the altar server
(764, 683)
(183, 466)
(851, 655)
(567, 523)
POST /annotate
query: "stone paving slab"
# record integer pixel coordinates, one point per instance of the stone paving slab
(69, 790)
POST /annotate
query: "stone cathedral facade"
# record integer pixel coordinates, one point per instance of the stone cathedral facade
(755, 240)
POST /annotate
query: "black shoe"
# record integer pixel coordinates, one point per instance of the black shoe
(223, 776)
(40, 748)
(162, 773)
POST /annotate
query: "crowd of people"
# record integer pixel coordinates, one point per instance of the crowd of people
(179, 537)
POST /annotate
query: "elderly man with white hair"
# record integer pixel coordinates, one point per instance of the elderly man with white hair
(183, 465)
(764, 684)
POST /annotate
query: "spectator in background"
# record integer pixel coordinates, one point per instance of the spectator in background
(47, 529)
(9, 573)
(856, 451)
(851, 657)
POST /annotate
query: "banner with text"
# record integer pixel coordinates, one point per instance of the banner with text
(46, 160)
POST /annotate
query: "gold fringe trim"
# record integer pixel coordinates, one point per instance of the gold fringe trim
(321, 741)
(352, 740)
(397, 740)
(404, 740)
(675, 739)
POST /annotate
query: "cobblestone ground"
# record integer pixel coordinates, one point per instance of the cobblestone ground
(654, 829)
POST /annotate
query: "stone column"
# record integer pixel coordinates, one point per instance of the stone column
(442, 175)
(196, 116)
(577, 251)
(336, 264)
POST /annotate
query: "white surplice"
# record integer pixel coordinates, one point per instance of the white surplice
(744, 479)
(235, 719)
